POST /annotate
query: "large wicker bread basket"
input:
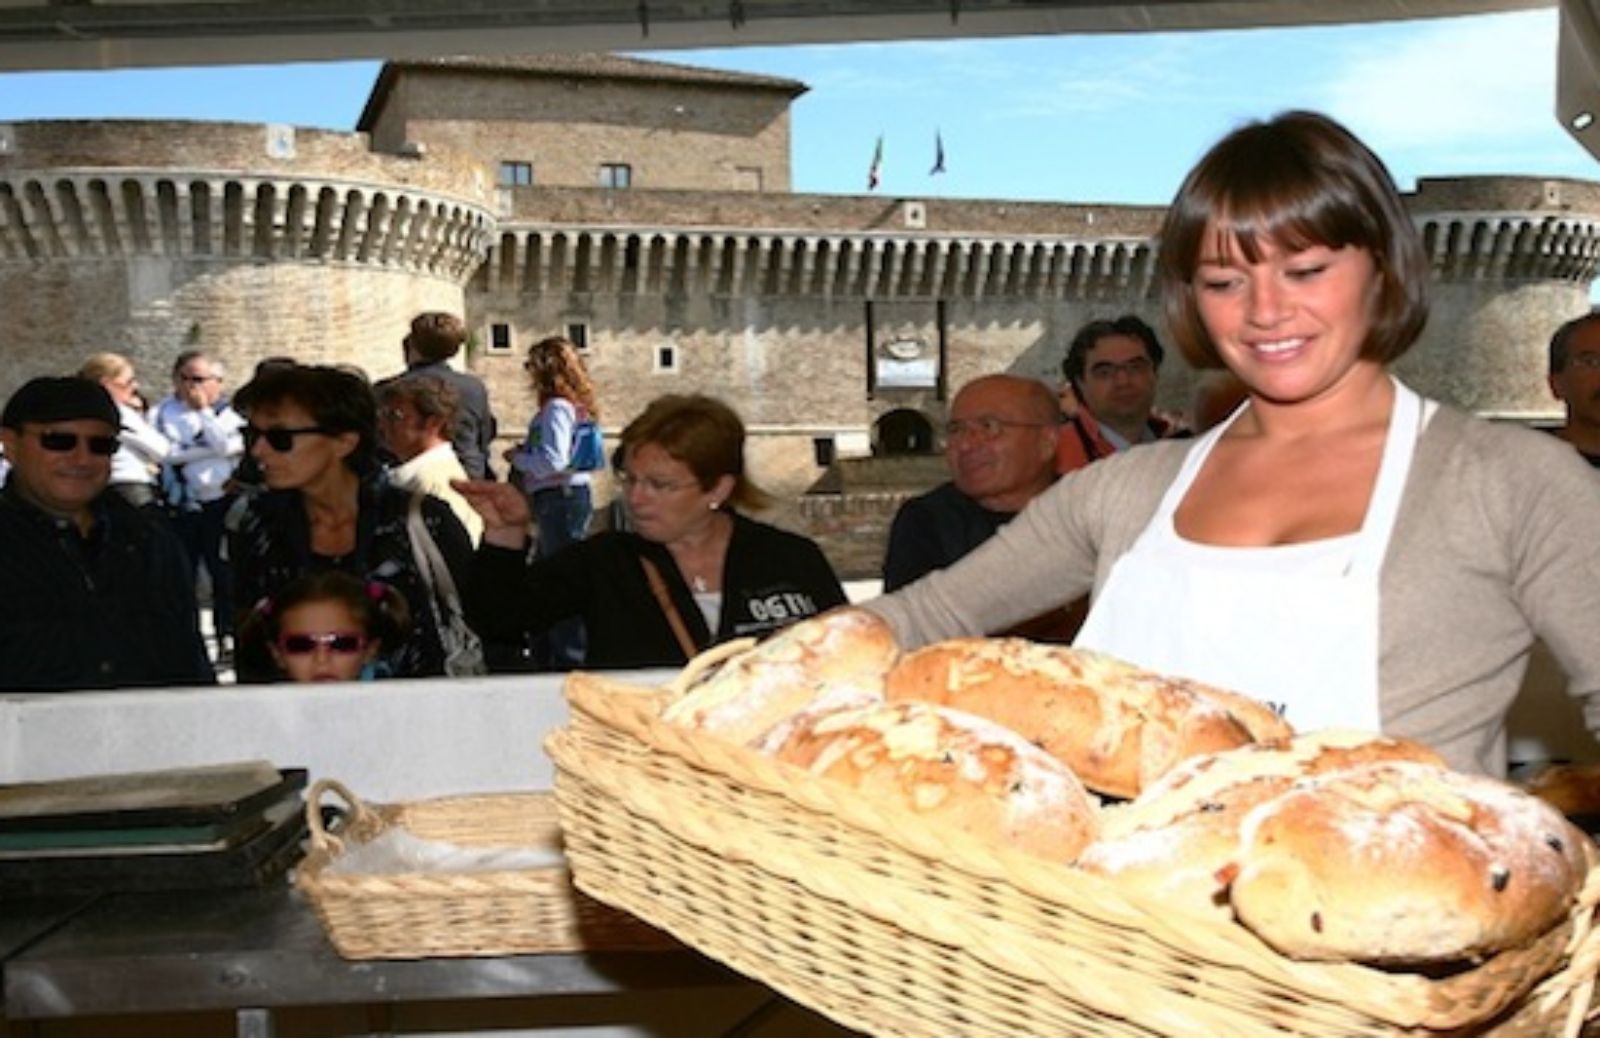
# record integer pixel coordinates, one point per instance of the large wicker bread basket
(875, 919)
(420, 914)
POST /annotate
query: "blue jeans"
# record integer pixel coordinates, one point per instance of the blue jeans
(563, 517)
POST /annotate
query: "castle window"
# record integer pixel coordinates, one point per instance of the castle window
(578, 335)
(499, 338)
(666, 358)
(516, 174)
(616, 174)
(748, 178)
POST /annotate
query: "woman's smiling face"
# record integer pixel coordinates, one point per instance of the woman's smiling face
(1293, 324)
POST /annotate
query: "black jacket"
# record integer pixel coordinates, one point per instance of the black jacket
(770, 579)
(113, 609)
(271, 545)
(933, 530)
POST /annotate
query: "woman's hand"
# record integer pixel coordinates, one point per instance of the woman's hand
(504, 510)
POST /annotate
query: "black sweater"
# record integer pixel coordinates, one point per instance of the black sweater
(113, 609)
(770, 579)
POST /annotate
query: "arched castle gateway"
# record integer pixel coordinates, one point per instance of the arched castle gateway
(644, 208)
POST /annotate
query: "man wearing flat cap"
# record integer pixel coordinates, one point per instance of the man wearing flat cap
(94, 593)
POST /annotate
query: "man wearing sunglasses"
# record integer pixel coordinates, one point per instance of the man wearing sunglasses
(94, 593)
(207, 437)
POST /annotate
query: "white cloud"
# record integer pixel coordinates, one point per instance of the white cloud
(1451, 82)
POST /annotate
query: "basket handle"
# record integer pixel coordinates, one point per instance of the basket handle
(359, 814)
(704, 662)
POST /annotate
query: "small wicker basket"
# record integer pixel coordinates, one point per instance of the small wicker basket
(414, 915)
(884, 923)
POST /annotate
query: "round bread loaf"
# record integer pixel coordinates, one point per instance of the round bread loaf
(1403, 863)
(828, 661)
(1117, 726)
(1174, 842)
(962, 772)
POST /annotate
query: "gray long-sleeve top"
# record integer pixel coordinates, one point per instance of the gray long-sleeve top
(1497, 543)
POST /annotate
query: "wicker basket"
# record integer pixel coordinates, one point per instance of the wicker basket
(418, 915)
(878, 920)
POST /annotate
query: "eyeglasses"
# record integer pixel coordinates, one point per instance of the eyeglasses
(279, 438)
(986, 428)
(1585, 360)
(65, 442)
(391, 414)
(197, 379)
(1107, 370)
(651, 485)
(340, 643)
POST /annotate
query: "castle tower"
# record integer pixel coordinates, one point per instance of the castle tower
(1513, 258)
(245, 240)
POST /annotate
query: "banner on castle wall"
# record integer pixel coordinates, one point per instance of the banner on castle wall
(906, 362)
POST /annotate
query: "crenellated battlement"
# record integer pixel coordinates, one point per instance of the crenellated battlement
(96, 213)
(727, 261)
(1529, 246)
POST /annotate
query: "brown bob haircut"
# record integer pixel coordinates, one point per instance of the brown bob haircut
(1295, 181)
(705, 434)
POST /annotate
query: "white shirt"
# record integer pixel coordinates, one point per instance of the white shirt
(431, 473)
(206, 444)
(143, 448)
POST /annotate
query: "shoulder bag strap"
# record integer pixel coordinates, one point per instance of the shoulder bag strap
(430, 567)
(658, 587)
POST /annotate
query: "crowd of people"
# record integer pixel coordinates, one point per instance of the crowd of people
(1318, 535)
(340, 529)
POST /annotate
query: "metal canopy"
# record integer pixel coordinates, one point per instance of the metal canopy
(91, 34)
(63, 34)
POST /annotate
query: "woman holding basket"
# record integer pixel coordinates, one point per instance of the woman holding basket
(1340, 547)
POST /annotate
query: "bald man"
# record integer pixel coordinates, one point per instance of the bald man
(1000, 444)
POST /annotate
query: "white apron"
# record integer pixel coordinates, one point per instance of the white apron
(1294, 625)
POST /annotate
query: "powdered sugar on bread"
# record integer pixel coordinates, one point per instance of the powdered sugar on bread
(963, 771)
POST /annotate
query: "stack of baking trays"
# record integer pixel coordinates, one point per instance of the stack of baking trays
(228, 825)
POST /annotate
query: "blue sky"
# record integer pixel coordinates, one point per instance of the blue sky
(1058, 118)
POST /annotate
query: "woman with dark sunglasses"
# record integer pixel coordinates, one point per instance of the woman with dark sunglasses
(313, 433)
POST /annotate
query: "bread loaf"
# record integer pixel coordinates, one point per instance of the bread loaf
(962, 772)
(828, 661)
(1403, 863)
(1572, 789)
(1117, 726)
(1174, 842)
